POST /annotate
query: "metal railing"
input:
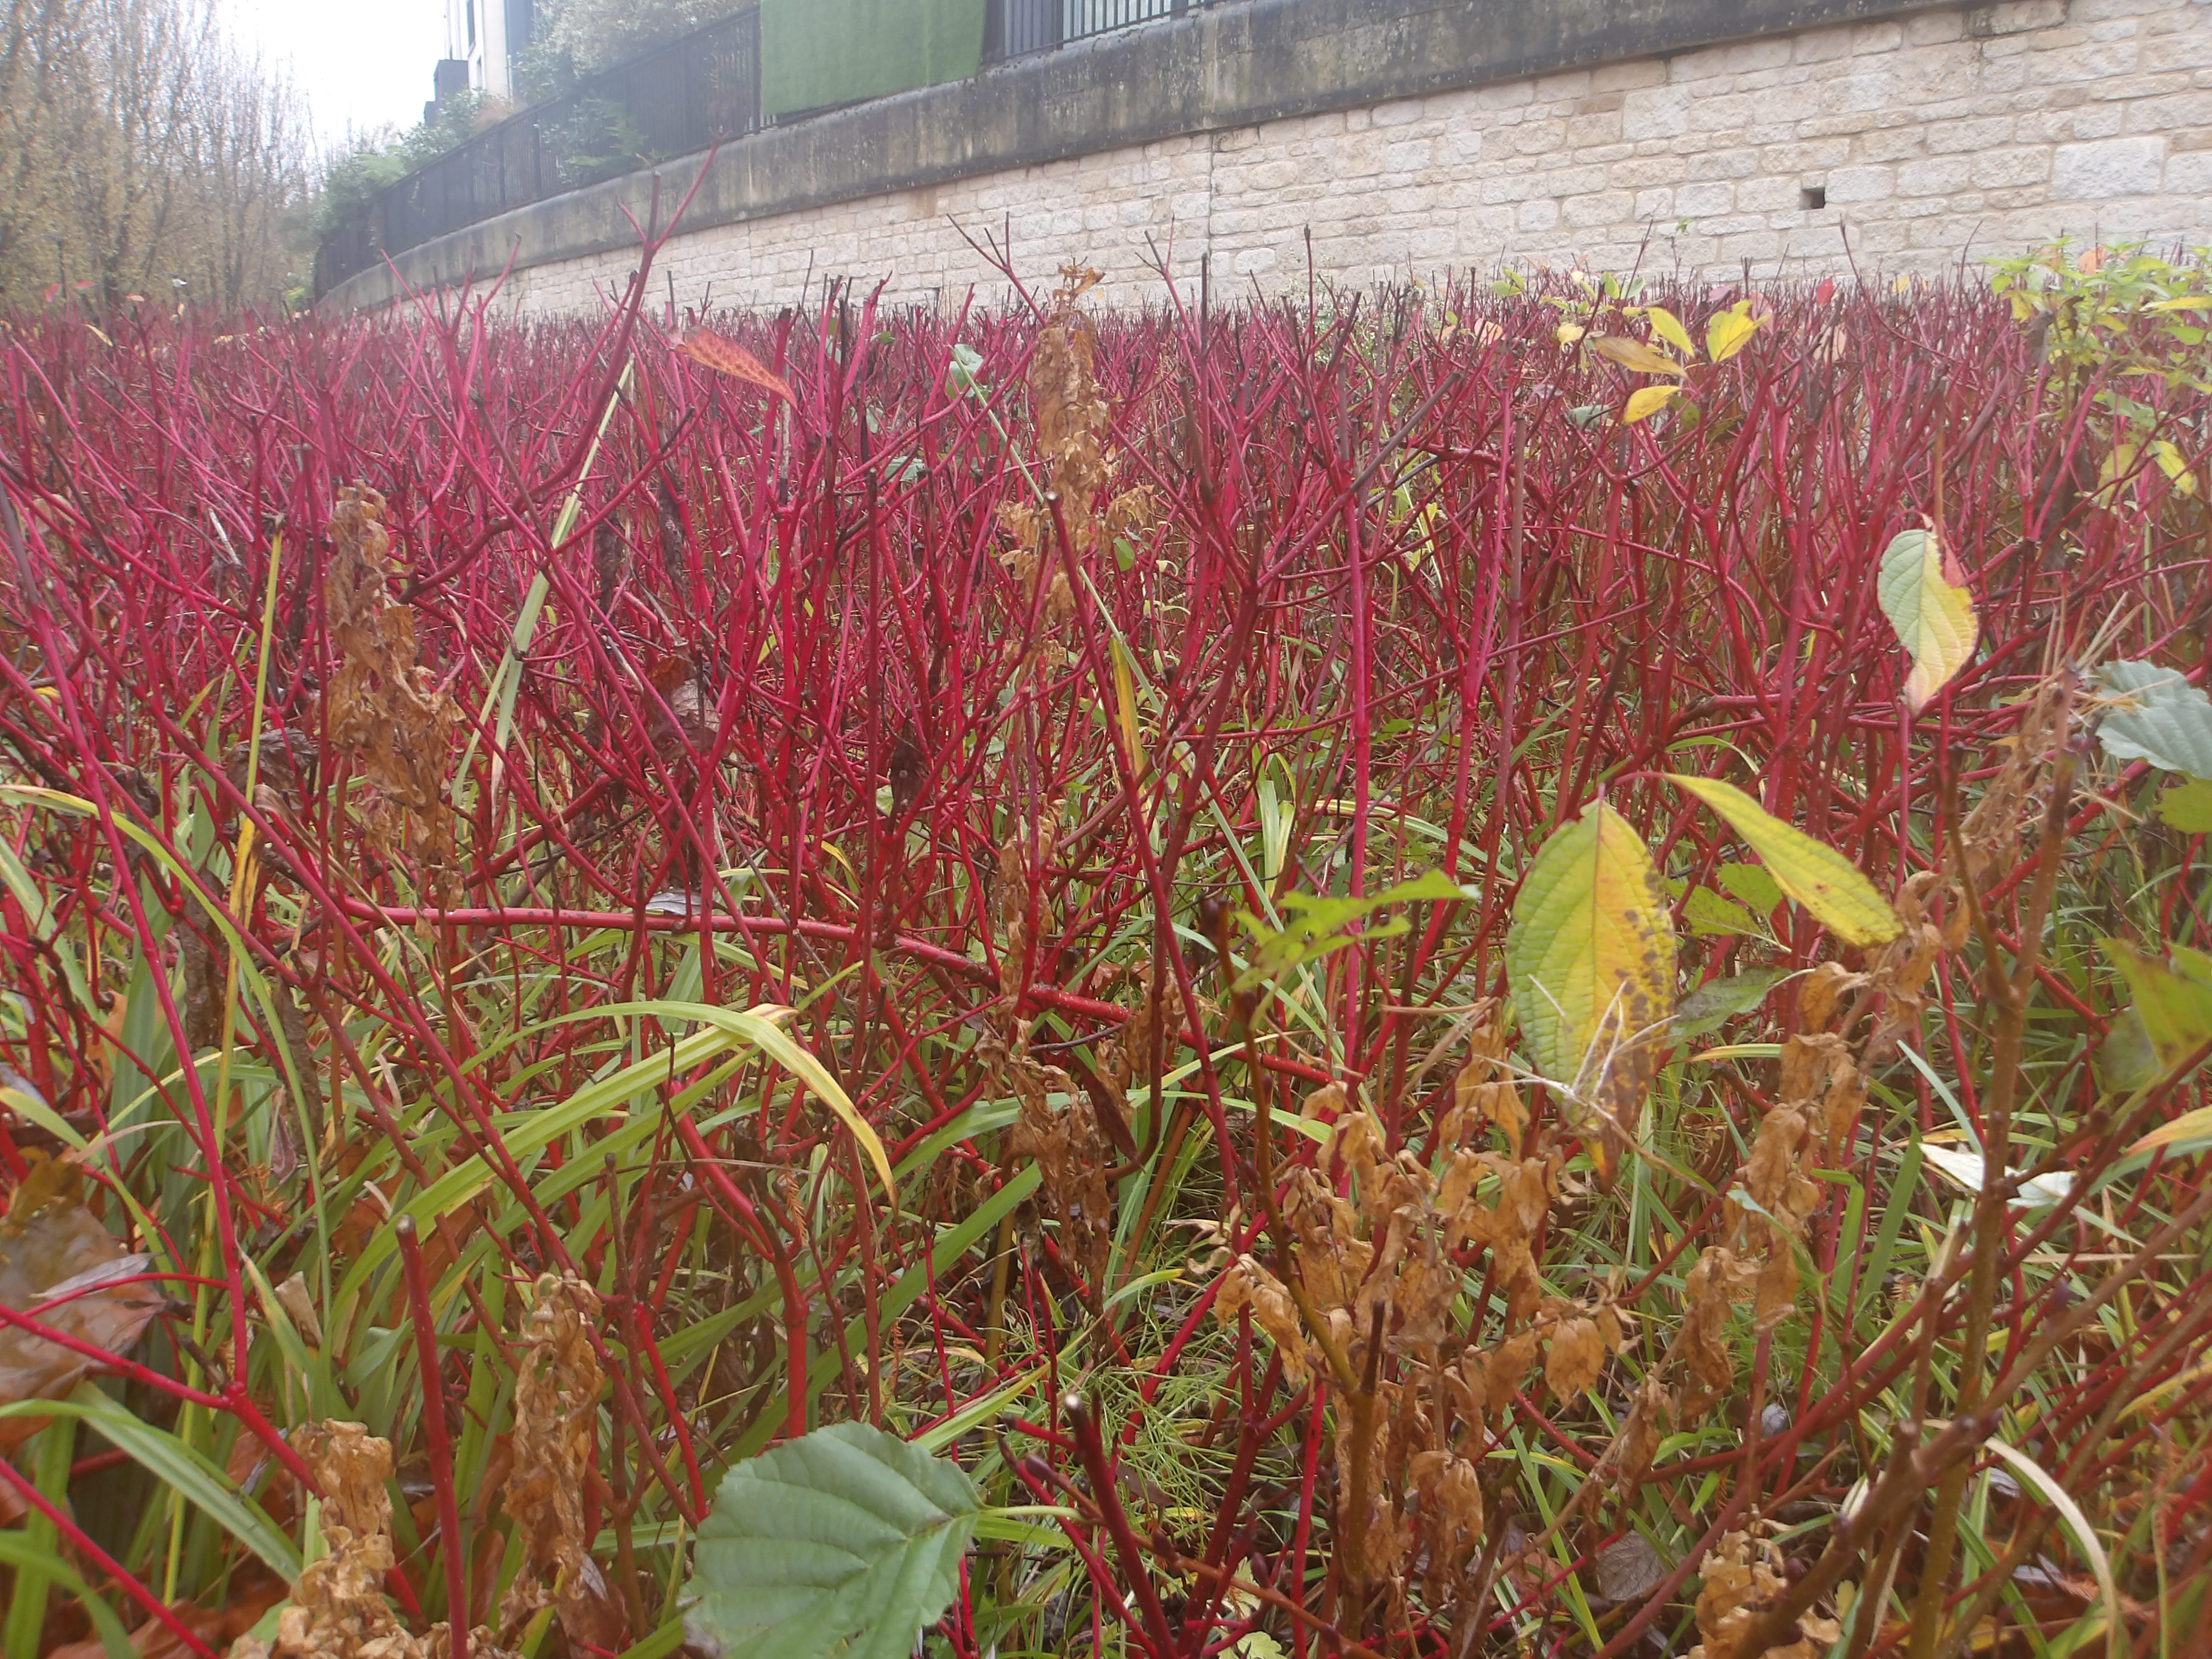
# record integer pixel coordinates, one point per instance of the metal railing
(1016, 28)
(693, 92)
(680, 99)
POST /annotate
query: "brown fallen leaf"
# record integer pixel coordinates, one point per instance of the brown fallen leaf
(1629, 1569)
(57, 1264)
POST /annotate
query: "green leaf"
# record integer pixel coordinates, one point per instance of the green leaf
(1750, 882)
(2125, 1060)
(1708, 914)
(2172, 1007)
(1711, 1006)
(1923, 593)
(844, 1542)
(1591, 959)
(176, 1465)
(1318, 920)
(2187, 807)
(2156, 715)
(2085, 1534)
(960, 374)
(1808, 872)
(25, 1554)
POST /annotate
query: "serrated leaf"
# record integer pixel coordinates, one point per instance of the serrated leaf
(1591, 959)
(1646, 402)
(2187, 807)
(1923, 594)
(1668, 327)
(1728, 333)
(2173, 1008)
(1808, 871)
(1635, 356)
(1708, 915)
(1759, 891)
(1711, 1006)
(2158, 716)
(844, 1542)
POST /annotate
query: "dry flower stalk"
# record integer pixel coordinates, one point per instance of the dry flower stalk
(385, 707)
(557, 1391)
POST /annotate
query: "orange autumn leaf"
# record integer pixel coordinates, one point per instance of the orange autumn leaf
(725, 355)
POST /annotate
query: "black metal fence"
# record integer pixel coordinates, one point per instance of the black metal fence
(1016, 27)
(694, 92)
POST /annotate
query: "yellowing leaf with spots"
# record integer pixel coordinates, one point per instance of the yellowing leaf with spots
(1635, 355)
(1810, 872)
(1591, 959)
(1923, 594)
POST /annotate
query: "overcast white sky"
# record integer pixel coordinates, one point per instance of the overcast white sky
(362, 63)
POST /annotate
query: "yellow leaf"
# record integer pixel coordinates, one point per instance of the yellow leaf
(2190, 1126)
(1647, 401)
(1728, 332)
(1568, 333)
(2174, 465)
(1668, 327)
(1812, 873)
(1923, 594)
(1634, 355)
(1591, 959)
(1125, 699)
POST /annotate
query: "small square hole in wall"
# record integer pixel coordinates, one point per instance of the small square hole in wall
(1813, 198)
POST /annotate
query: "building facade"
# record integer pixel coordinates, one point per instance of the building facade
(487, 39)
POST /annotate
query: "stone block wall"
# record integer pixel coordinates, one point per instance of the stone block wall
(1910, 143)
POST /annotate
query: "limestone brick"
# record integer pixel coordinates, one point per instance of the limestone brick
(2098, 172)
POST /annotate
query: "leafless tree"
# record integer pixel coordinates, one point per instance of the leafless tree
(141, 154)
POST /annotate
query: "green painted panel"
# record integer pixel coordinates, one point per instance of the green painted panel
(817, 53)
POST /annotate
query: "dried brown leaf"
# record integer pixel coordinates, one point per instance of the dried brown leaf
(1709, 1293)
(57, 1262)
(1493, 1375)
(1451, 1504)
(1574, 1359)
